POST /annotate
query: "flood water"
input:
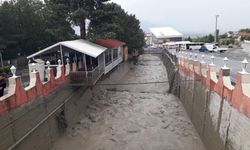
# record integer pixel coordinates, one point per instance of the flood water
(133, 116)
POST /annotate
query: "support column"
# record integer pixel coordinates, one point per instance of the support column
(61, 51)
(112, 57)
(85, 66)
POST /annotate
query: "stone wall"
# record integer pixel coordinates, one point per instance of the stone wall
(219, 111)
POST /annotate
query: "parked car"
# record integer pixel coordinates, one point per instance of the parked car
(221, 50)
(210, 47)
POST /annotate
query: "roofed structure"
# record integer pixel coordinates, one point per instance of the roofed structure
(82, 46)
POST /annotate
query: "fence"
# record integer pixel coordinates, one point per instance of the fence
(86, 77)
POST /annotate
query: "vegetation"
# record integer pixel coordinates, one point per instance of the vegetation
(80, 10)
(5, 69)
(111, 21)
(227, 41)
(247, 30)
(206, 39)
(27, 26)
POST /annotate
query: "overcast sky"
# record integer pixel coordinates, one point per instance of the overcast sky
(190, 16)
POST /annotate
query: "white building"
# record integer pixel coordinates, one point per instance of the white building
(88, 61)
(148, 38)
(165, 34)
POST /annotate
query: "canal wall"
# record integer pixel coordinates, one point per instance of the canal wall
(37, 125)
(219, 111)
(34, 117)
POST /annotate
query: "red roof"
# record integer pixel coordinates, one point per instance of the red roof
(243, 34)
(109, 43)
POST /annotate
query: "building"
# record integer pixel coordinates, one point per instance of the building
(165, 34)
(148, 38)
(88, 61)
(114, 53)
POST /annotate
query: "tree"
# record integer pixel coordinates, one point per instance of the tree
(21, 26)
(29, 25)
(7, 26)
(111, 21)
(247, 30)
(58, 27)
(207, 39)
(82, 10)
(189, 39)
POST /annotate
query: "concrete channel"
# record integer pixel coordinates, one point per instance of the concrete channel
(130, 108)
(134, 112)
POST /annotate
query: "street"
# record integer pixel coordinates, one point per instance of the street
(128, 116)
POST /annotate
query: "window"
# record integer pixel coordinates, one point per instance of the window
(115, 54)
(108, 57)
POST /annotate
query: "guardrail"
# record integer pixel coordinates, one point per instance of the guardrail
(86, 77)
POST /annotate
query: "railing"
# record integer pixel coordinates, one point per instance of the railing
(17, 95)
(86, 77)
(172, 56)
(153, 51)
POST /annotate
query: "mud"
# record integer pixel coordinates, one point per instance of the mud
(133, 116)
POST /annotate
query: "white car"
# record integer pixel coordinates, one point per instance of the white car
(210, 47)
(221, 50)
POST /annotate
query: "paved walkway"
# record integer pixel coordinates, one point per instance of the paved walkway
(133, 117)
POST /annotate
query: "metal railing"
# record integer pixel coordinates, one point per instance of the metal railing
(86, 77)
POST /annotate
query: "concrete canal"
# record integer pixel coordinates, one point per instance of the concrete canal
(135, 112)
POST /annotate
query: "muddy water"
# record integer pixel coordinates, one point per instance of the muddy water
(133, 117)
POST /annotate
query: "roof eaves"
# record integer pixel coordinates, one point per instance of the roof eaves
(44, 50)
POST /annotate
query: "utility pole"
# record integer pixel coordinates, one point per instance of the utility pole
(216, 30)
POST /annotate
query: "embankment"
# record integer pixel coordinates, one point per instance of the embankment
(38, 124)
(218, 110)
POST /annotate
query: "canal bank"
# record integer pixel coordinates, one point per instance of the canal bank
(134, 112)
(218, 110)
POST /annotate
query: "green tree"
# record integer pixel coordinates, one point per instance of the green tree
(58, 27)
(111, 21)
(206, 39)
(21, 27)
(189, 39)
(247, 30)
(82, 10)
(8, 33)
(29, 25)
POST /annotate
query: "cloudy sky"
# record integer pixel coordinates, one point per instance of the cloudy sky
(190, 16)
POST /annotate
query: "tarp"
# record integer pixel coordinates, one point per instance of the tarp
(82, 46)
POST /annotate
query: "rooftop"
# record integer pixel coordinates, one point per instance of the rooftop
(82, 46)
(165, 32)
(109, 43)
